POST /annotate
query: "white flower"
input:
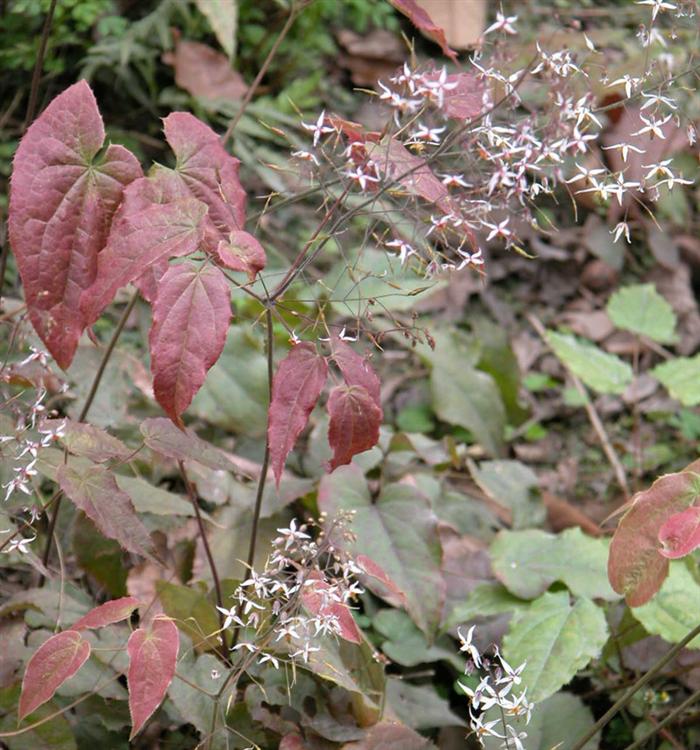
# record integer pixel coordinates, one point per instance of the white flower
(622, 228)
(624, 149)
(231, 616)
(454, 180)
(500, 230)
(268, 657)
(468, 647)
(653, 126)
(291, 535)
(425, 135)
(403, 248)
(360, 176)
(657, 6)
(318, 128)
(20, 545)
(305, 156)
(502, 23)
(474, 259)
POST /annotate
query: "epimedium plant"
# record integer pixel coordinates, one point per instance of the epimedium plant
(85, 222)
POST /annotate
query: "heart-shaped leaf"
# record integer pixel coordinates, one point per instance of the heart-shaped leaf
(107, 613)
(322, 601)
(57, 659)
(152, 661)
(241, 252)
(356, 370)
(62, 199)
(191, 316)
(354, 423)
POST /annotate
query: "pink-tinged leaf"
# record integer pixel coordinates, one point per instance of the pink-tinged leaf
(393, 159)
(388, 735)
(356, 370)
(293, 742)
(158, 220)
(107, 613)
(296, 386)
(636, 565)
(56, 660)
(95, 491)
(241, 252)
(680, 535)
(162, 436)
(319, 598)
(152, 661)
(191, 316)
(62, 198)
(208, 171)
(83, 439)
(354, 423)
(466, 100)
(423, 22)
(373, 570)
(147, 282)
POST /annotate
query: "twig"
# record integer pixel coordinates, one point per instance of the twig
(39, 65)
(86, 408)
(261, 74)
(592, 415)
(207, 551)
(640, 683)
(676, 711)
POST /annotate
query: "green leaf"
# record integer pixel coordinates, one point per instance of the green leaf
(555, 639)
(599, 370)
(192, 611)
(556, 723)
(642, 310)
(486, 600)
(419, 706)
(234, 395)
(398, 531)
(512, 485)
(469, 398)
(528, 562)
(223, 19)
(103, 558)
(681, 376)
(673, 612)
(55, 734)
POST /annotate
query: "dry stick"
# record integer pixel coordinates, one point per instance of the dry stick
(86, 408)
(261, 74)
(207, 551)
(592, 415)
(34, 93)
(640, 683)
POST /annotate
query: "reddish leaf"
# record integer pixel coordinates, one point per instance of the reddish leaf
(208, 171)
(204, 72)
(162, 436)
(241, 252)
(356, 370)
(466, 100)
(152, 660)
(636, 567)
(393, 160)
(354, 423)
(680, 535)
(62, 199)
(375, 571)
(295, 390)
(191, 316)
(390, 736)
(147, 282)
(423, 22)
(83, 439)
(157, 221)
(95, 491)
(57, 659)
(319, 602)
(108, 613)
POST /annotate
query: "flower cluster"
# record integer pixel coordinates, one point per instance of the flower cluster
(495, 691)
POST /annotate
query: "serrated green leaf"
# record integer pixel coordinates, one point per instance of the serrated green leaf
(681, 376)
(514, 486)
(528, 562)
(673, 612)
(555, 639)
(599, 370)
(419, 706)
(641, 309)
(486, 600)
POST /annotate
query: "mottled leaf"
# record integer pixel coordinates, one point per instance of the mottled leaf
(208, 172)
(355, 369)
(528, 562)
(107, 613)
(57, 659)
(83, 439)
(190, 321)
(95, 491)
(555, 639)
(158, 220)
(63, 195)
(162, 436)
(152, 661)
(240, 251)
(354, 423)
(319, 598)
(296, 386)
(398, 530)
(681, 376)
(642, 310)
(636, 567)
(599, 370)
(423, 22)
(680, 534)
